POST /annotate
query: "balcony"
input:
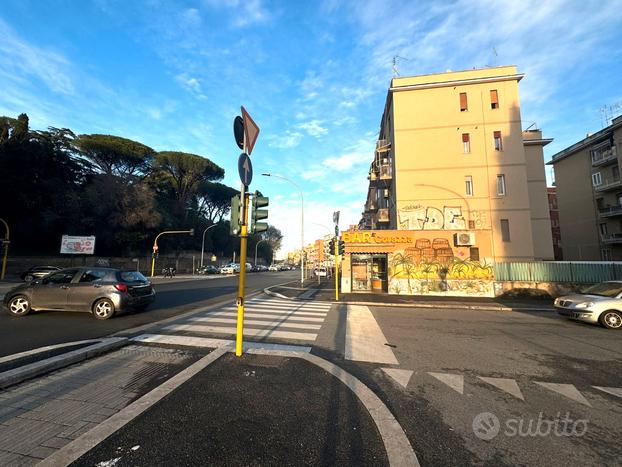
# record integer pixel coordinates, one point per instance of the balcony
(604, 157)
(608, 184)
(382, 215)
(386, 172)
(613, 239)
(610, 211)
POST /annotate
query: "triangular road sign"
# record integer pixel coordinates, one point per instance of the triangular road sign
(455, 382)
(251, 131)
(567, 390)
(508, 385)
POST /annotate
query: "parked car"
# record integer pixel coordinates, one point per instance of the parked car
(231, 268)
(273, 267)
(101, 291)
(320, 272)
(209, 269)
(37, 272)
(600, 303)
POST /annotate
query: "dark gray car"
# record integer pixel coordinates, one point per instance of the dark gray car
(101, 291)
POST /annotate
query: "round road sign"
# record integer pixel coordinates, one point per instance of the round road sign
(245, 169)
(238, 131)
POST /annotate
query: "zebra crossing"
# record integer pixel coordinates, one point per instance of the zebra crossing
(265, 319)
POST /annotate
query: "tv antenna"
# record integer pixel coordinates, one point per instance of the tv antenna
(396, 59)
(609, 112)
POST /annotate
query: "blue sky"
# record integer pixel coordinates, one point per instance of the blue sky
(313, 74)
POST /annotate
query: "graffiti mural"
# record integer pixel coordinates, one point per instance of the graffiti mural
(431, 218)
(430, 267)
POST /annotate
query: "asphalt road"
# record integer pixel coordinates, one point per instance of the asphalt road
(476, 422)
(173, 297)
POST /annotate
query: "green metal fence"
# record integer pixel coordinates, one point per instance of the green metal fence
(558, 271)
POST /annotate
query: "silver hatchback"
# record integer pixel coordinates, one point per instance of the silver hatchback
(600, 303)
(101, 291)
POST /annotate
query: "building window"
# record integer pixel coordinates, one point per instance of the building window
(466, 143)
(471, 225)
(463, 102)
(494, 99)
(597, 179)
(501, 185)
(468, 185)
(505, 230)
(498, 144)
(474, 253)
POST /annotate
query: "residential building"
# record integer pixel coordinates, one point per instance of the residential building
(555, 230)
(453, 167)
(589, 195)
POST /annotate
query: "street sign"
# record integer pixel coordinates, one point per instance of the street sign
(336, 217)
(245, 169)
(251, 131)
(238, 131)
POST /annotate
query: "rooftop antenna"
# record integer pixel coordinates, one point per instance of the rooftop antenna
(396, 58)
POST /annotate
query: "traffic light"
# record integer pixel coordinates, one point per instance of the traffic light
(258, 214)
(342, 247)
(234, 226)
(331, 246)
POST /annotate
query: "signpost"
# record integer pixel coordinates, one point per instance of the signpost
(336, 221)
(245, 170)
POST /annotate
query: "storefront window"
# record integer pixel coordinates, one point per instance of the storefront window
(369, 273)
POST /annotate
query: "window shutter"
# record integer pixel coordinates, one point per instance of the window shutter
(497, 134)
(494, 98)
(465, 137)
(463, 101)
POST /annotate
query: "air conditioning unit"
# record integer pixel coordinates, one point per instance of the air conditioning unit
(464, 239)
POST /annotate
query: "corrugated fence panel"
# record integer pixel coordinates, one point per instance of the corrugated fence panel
(558, 271)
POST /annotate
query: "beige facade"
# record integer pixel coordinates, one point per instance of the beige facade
(589, 196)
(452, 156)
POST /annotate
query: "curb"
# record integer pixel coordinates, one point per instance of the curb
(32, 370)
(420, 304)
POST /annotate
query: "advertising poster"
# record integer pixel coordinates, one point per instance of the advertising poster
(72, 245)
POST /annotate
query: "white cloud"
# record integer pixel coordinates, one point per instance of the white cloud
(245, 12)
(193, 85)
(286, 141)
(313, 128)
(191, 18)
(360, 154)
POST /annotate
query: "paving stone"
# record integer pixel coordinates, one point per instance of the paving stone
(88, 427)
(55, 442)
(7, 457)
(42, 452)
(69, 431)
(25, 435)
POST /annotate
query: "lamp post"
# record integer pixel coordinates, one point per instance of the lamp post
(203, 242)
(256, 245)
(5, 244)
(302, 225)
(155, 244)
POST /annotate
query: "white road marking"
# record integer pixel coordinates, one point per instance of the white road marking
(365, 341)
(284, 311)
(567, 390)
(287, 316)
(613, 391)
(248, 332)
(256, 322)
(402, 377)
(209, 342)
(455, 382)
(508, 385)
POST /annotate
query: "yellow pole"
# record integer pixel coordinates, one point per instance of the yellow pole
(337, 268)
(240, 302)
(6, 250)
(153, 255)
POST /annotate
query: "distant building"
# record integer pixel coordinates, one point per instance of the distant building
(589, 195)
(555, 229)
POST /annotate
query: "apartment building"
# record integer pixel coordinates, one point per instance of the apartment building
(589, 196)
(453, 167)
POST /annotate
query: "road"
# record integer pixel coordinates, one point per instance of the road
(174, 296)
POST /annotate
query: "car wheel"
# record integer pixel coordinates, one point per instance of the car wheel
(103, 309)
(611, 319)
(19, 305)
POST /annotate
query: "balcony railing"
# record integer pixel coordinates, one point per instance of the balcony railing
(604, 157)
(612, 239)
(609, 184)
(610, 211)
(383, 215)
(386, 172)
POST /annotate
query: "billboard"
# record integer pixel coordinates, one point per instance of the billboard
(72, 245)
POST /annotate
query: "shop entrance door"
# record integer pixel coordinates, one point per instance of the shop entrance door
(369, 273)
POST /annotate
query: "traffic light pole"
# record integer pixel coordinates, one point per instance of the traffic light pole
(337, 268)
(240, 301)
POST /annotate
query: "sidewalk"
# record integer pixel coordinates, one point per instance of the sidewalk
(148, 405)
(325, 291)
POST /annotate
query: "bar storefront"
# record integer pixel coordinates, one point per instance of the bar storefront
(417, 262)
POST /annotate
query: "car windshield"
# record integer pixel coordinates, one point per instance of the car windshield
(605, 289)
(132, 276)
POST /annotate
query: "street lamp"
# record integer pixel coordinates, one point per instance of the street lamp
(203, 242)
(256, 245)
(302, 224)
(5, 244)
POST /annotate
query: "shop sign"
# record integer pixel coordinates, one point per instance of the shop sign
(375, 238)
